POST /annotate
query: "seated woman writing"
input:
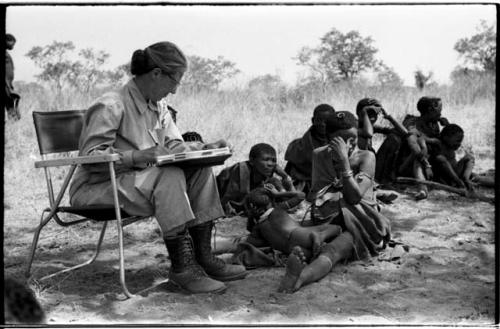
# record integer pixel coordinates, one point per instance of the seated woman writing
(347, 173)
(185, 202)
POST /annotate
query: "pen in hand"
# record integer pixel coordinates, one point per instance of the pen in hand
(153, 137)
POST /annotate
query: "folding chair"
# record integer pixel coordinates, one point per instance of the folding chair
(59, 132)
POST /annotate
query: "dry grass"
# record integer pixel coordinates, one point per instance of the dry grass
(244, 118)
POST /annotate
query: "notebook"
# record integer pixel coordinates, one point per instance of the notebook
(203, 158)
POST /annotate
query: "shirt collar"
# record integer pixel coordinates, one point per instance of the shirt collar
(138, 99)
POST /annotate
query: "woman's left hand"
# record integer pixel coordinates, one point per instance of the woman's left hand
(218, 144)
(339, 152)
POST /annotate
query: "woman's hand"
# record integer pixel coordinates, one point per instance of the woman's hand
(382, 111)
(340, 154)
(364, 111)
(218, 144)
(149, 155)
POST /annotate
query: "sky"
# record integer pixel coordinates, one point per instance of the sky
(259, 39)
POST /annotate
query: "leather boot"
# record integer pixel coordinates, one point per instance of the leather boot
(185, 271)
(213, 266)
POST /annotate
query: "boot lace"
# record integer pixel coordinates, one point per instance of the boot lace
(186, 254)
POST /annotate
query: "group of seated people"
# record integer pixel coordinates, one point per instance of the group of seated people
(416, 148)
(335, 167)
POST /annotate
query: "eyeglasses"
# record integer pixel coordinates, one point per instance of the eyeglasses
(178, 82)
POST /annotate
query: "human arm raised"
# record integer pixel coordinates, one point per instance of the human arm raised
(398, 126)
(352, 191)
(367, 128)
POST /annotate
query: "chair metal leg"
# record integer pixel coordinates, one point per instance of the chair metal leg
(119, 226)
(36, 236)
(89, 261)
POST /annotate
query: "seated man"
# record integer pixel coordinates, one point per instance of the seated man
(446, 168)
(235, 182)
(299, 151)
(368, 110)
(410, 158)
(347, 173)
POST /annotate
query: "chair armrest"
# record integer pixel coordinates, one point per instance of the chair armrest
(77, 160)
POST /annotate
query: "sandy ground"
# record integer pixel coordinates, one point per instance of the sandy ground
(447, 277)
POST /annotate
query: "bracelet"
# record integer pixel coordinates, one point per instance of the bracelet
(347, 174)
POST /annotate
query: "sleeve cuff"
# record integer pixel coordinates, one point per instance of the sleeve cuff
(127, 159)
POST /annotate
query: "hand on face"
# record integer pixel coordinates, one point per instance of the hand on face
(372, 112)
(340, 150)
(383, 112)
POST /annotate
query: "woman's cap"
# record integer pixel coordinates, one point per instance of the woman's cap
(164, 55)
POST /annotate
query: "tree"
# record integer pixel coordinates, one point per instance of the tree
(310, 58)
(267, 81)
(387, 77)
(339, 56)
(117, 76)
(421, 79)
(54, 61)
(61, 68)
(479, 50)
(87, 72)
(206, 73)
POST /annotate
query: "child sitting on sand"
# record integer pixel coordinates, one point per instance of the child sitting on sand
(235, 182)
(446, 168)
(274, 227)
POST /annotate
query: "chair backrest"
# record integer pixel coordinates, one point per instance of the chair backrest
(58, 131)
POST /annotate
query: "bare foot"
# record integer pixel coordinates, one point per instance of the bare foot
(422, 194)
(295, 263)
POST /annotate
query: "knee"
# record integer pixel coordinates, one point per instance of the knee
(206, 171)
(169, 173)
